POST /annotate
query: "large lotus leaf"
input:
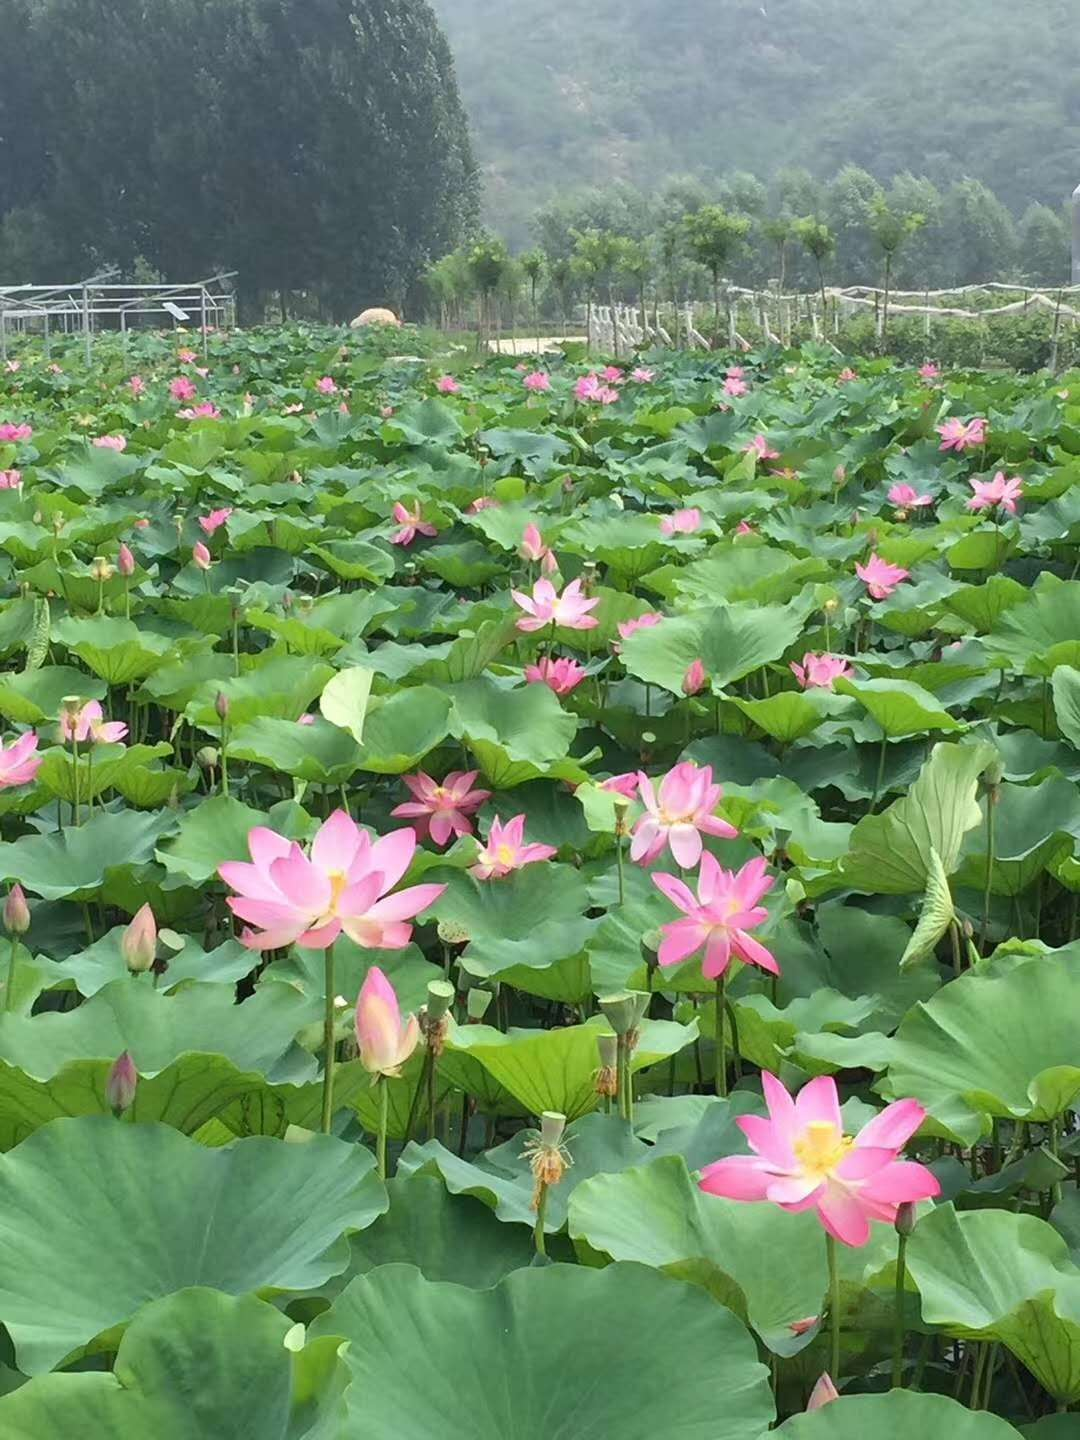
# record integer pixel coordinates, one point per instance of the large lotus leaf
(735, 571)
(575, 1350)
(319, 752)
(1066, 688)
(103, 961)
(535, 917)
(118, 650)
(345, 698)
(215, 831)
(76, 862)
(993, 1044)
(556, 1069)
(765, 1264)
(994, 1275)
(890, 852)
(113, 1215)
(401, 729)
(424, 422)
(1033, 825)
(282, 685)
(899, 707)
(899, 1415)
(516, 735)
(32, 696)
(793, 713)
(1041, 632)
(356, 560)
(731, 641)
(101, 769)
(197, 1365)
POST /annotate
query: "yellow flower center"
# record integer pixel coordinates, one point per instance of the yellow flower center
(339, 883)
(505, 854)
(820, 1148)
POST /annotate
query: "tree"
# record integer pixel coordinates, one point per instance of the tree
(851, 194)
(636, 262)
(890, 229)
(820, 244)
(488, 262)
(714, 237)
(1044, 246)
(532, 267)
(979, 235)
(779, 230)
(596, 254)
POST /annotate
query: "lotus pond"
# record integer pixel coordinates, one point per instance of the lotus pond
(540, 903)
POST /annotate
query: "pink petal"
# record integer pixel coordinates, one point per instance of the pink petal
(747, 948)
(817, 1102)
(901, 1181)
(894, 1127)
(680, 939)
(404, 905)
(685, 843)
(843, 1216)
(740, 1177)
(392, 855)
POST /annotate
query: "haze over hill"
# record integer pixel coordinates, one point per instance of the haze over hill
(562, 94)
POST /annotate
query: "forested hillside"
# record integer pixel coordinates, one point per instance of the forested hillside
(561, 93)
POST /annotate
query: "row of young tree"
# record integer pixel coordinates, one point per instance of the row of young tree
(799, 233)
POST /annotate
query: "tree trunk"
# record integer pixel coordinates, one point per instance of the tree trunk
(716, 305)
(536, 319)
(783, 266)
(885, 311)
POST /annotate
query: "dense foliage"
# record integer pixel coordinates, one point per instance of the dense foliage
(721, 726)
(317, 146)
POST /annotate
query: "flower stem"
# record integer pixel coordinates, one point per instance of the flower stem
(898, 1317)
(834, 1308)
(880, 775)
(9, 992)
(328, 1040)
(384, 1113)
(75, 779)
(619, 864)
(538, 1228)
(224, 757)
(721, 1035)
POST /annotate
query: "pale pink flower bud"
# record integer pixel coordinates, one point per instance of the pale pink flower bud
(823, 1392)
(121, 1085)
(125, 561)
(201, 556)
(139, 942)
(16, 912)
(694, 679)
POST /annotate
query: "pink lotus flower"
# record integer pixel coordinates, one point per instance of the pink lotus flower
(805, 1161)
(110, 442)
(537, 381)
(138, 944)
(906, 497)
(823, 1393)
(532, 545)
(121, 1085)
(87, 722)
(820, 672)
(205, 411)
(505, 850)
(13, 366)
(695, 679)
(384, 1042)
(625, 784)
(214, 521)
(743, 528)
(343, 884)
(999, 491)
(678, 815)
(958, 436)
(200, 556)
(386, 411)
(719, 917)
(639, 622)
(735, 372)
(18, 762)
(10, 480)
(847, 375)
(606, 395)
(182, 388)
(759, 447)
(142, 523)
(612, 374)
(547, 607)
(881, 578)
(137, 385)
(292, 409)
(681, 522)
(55, 369)
(447, 385)
(187, 357)
(590, 389)
(643, 375)
(561, 676)
(929, 371)
(411, 524)
(482, 502)
(12, 434)
(125, 561)
(734, 386)
(326, 386)
(441, 810)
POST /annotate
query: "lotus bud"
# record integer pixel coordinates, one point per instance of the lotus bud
(823, 1392)
(16, 912)
(477, 1003)
(694, 679)
(831, 606)
(139, 942)
(125, 561)
(58, 523)
(221, 705)
(121, 1085)
(905, 1218)
(200, 556)
(607, 1077)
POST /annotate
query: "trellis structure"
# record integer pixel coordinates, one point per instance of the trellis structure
(101, 302)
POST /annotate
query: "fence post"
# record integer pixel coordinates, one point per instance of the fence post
(86, 323)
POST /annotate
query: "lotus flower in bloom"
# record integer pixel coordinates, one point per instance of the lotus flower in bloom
(505, 850)
(929, 371)
(482, 502)
(537, 381)
(678, 814)
(200, 556)
(110, 442)
(639, 622)
(744, 528)
(441, 810)
(881, 578)
(735, 386)
(326, 386)
(182, 388)
(958, 436)
(822, 1394)
(906, 497)
(590, 389)
(344, 884)
(625, 784)
(206, 411)
(14, 433)
(643, 375)
(214, 521)
(735, 372)
(695, 679)
(447, 385)
(718, 918)
(137, 385)
(547, 607)
(18, 762)
(804, 1160)
(999, 491)
(847, 375)
(612, 374)
(384, 1041)
(820, 672)
(681, 522)
(760, 448)
(87, 722)
(562, 675)
(187, 357)
(10, 480)
(411, 524)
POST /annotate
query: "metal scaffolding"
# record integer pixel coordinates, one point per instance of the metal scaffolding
(100, 302)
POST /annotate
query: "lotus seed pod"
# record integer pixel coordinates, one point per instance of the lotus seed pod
(477, 1003)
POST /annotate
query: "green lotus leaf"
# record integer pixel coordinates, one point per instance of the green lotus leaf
(345, 698)
(282, 685)
(118, 650)
(356, 560)
(534, 917)
(899, 1415)
(1040, 633)
(733, 571)
(319, 752)
(1066, 688)
(579, 1345)
(402, 728)
(516, 735)
(731, 641)
(424, 422)
(1034, 825)
(100, 769)
(76, 862)
(115, 1215)
(935, 918)
(793, 713)
(103, 961)
(254, 1383)
(35, 695)
(214, 832)
(899, 707)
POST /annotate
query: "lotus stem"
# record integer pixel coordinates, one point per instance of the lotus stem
(721, 1035)
(75, 781)
(328, 1040)
(9, 992)
(880, 775)
(384, 1117)
(538, 1228)
(898, 1317)
(834, 1308)
(989, 869)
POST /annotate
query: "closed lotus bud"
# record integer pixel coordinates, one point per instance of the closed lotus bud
(694, 679)
(200, 556)
(477, 1003)
(905, 1218)
(221, 705)
(139, 942)
(823, 1393)
(121, 1085)
(16, 912)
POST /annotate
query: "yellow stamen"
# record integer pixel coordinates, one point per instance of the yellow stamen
(505, 854)
(820, 1148)
(339, 883)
